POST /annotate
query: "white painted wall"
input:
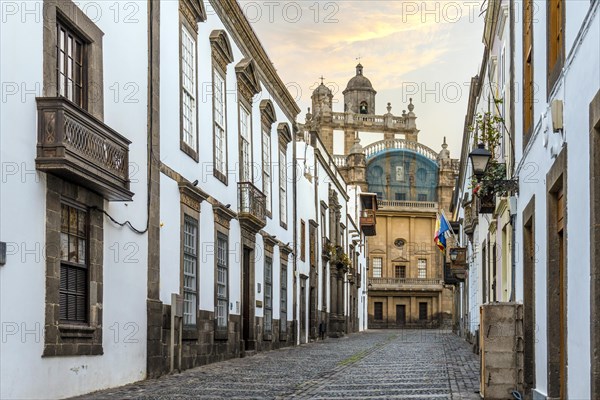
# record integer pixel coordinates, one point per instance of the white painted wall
(583, 60)
(22, 194)
(172, 156)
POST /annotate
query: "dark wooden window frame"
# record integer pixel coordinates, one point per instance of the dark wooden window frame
(312, 243)
(400, 271)
(65, 12)
(529, 309)
(65, 338)
(79, 85)
(528, 71)
(302, 240)
(554, 66)
(66, 266)
(556, 180)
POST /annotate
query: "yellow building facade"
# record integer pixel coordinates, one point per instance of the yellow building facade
(413, 185)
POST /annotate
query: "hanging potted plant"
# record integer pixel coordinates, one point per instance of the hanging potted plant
(487, 187)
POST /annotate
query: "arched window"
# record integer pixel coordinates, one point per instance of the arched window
(363, 107)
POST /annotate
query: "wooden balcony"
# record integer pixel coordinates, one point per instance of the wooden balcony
(367, 222)
(414, 284)
(80, 148)
(368, 219)
(471, 216)
(252, 206)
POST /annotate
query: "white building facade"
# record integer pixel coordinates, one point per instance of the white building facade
(332, 246)
(226, 192)
(553, 126)
(150, 206)
(74, 156)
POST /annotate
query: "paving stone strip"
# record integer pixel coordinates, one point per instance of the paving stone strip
(382, 364)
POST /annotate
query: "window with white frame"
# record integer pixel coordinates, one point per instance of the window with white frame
(222, 281)
(377, 266)
(283, 186)
(422, 268)
(190, 270)
(268, 322)
(266, 158)
(220, 136)
(245, 149)
(188, 89)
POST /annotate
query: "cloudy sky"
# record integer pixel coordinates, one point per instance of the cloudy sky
(427, 50)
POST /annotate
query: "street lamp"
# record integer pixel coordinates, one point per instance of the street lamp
(480, 158)
(453, 254)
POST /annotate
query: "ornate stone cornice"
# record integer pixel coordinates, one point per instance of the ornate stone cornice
(232, 16)
(247, 79)
(221, 48)
(267, 112)
(223, 215)
(193, 11)
(284, 133)
(190, 195)
(269, 242)
(284, 251)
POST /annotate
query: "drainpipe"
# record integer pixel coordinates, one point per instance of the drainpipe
(511, 16)
(294, 223)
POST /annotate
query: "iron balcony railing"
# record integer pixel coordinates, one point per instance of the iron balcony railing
(252, 203)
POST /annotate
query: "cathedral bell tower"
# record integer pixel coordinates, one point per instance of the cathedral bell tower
(359, 96)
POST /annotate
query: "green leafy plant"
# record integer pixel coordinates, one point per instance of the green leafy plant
(328, 249)
(486, 131)
(490, 182)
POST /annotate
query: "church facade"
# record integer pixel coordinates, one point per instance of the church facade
(413, 184)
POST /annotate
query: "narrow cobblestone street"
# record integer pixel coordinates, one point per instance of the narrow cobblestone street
(385, 364)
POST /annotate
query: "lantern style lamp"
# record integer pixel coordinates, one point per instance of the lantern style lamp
(453, 254)
(480, 158)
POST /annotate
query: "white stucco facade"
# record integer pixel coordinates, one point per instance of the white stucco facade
(23, 210)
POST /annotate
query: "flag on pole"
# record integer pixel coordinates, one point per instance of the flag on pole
(441, 227)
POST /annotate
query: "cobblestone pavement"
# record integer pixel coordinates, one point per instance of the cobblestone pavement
(382, 364)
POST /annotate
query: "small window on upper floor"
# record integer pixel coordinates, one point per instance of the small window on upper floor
(401, 196)
(70, 64)
(422, 197)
